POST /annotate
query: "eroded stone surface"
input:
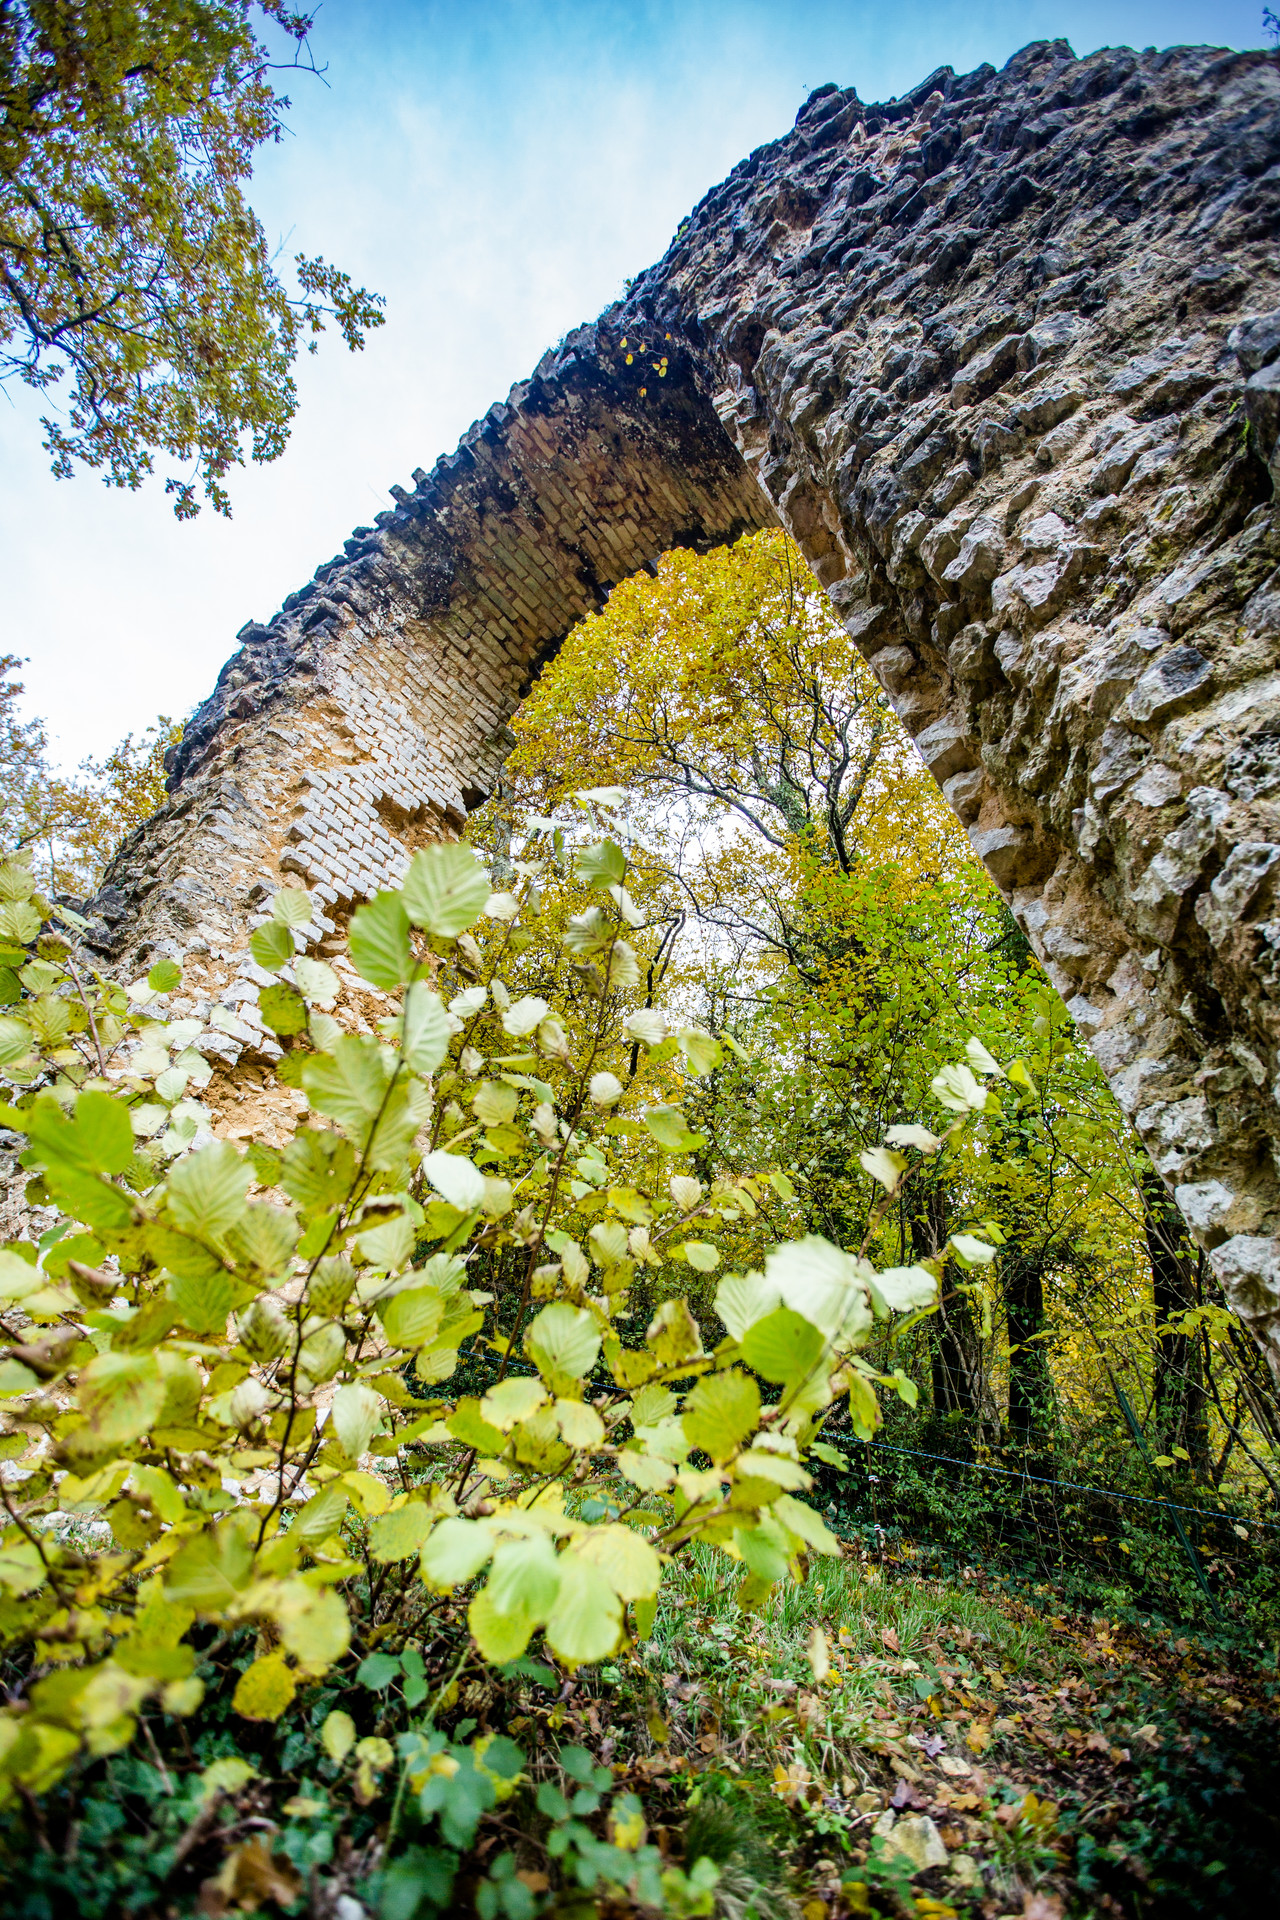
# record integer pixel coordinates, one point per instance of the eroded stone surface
(1004, 356)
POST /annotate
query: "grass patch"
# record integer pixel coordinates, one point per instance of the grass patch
(965, 1753)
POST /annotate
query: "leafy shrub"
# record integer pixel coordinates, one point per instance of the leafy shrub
(211, 1350)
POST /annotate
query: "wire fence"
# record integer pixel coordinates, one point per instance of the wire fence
(1073, 1486)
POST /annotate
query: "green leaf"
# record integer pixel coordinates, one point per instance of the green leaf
(207, 1190)
(318, 1170)
(913, 1136)
(211, 1570)
(348, 1084)
(15, 1378)
(424, 1029)
(356, 1416)
(454, 1176)
(15, 1040)
(291, 907)
(509, 1401)
(121, 1395)
(102, 1124)
(541, 1676)
(904, 1289)
(884, 1165)
(494, 1102)
(399, 1534)
(202, 1303)
(283, 1009)
(500, 1636)
(673, 1334)
(17, 881)
(668, 1127)
(468, 1424)
(21, 1568)
(390, 1243)
(271, 945)
(782, 1347)
(864, 1408)
(701, 1255)
(19, 922)
(316, 979)
(825, 1284)
(602, 865)
(764, 1550)
(445, 889)
(525, 1579)
(742, 1299)
(802, 1520)
(721, 1411)
(455, 1552)
(323, 1513)
(702, 1050)
(164, 976)
(586, 1622)
(958, 1091)
(523, 1015)
(379, 942)
(563, 1340)
(969, 1251)
(264, 1237)
(227, 1775)
(781, 1185)
(412, 1318)
(625, 1558)
(320, 1634)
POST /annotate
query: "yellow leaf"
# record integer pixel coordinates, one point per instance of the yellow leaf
(318, 1634)
(371, 1495)
(819, 1655)
(338, 1735)
(499, 1636)
(581, 1426)
(627, 1561)
(587, 1617)
(265, 1689)
(399, 1534)
(227, 1775)
(183, 1697)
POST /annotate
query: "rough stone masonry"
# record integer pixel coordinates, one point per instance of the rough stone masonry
(1004, 357)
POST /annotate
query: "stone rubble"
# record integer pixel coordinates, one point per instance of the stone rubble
(1003, 355)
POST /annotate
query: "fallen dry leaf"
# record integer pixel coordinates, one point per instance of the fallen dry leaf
(248, 1876)
(890, 1639)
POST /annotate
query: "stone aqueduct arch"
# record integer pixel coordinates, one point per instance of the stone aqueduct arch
(1004, 356)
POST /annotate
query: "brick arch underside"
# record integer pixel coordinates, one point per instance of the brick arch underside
(1004, 357)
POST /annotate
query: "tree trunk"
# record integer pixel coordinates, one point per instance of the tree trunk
(1030, 1380)
(955, 1339)
(1180, 1401)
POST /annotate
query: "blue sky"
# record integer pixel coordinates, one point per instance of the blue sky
(496, 168)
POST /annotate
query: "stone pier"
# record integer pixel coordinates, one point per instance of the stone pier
(1003, 355)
